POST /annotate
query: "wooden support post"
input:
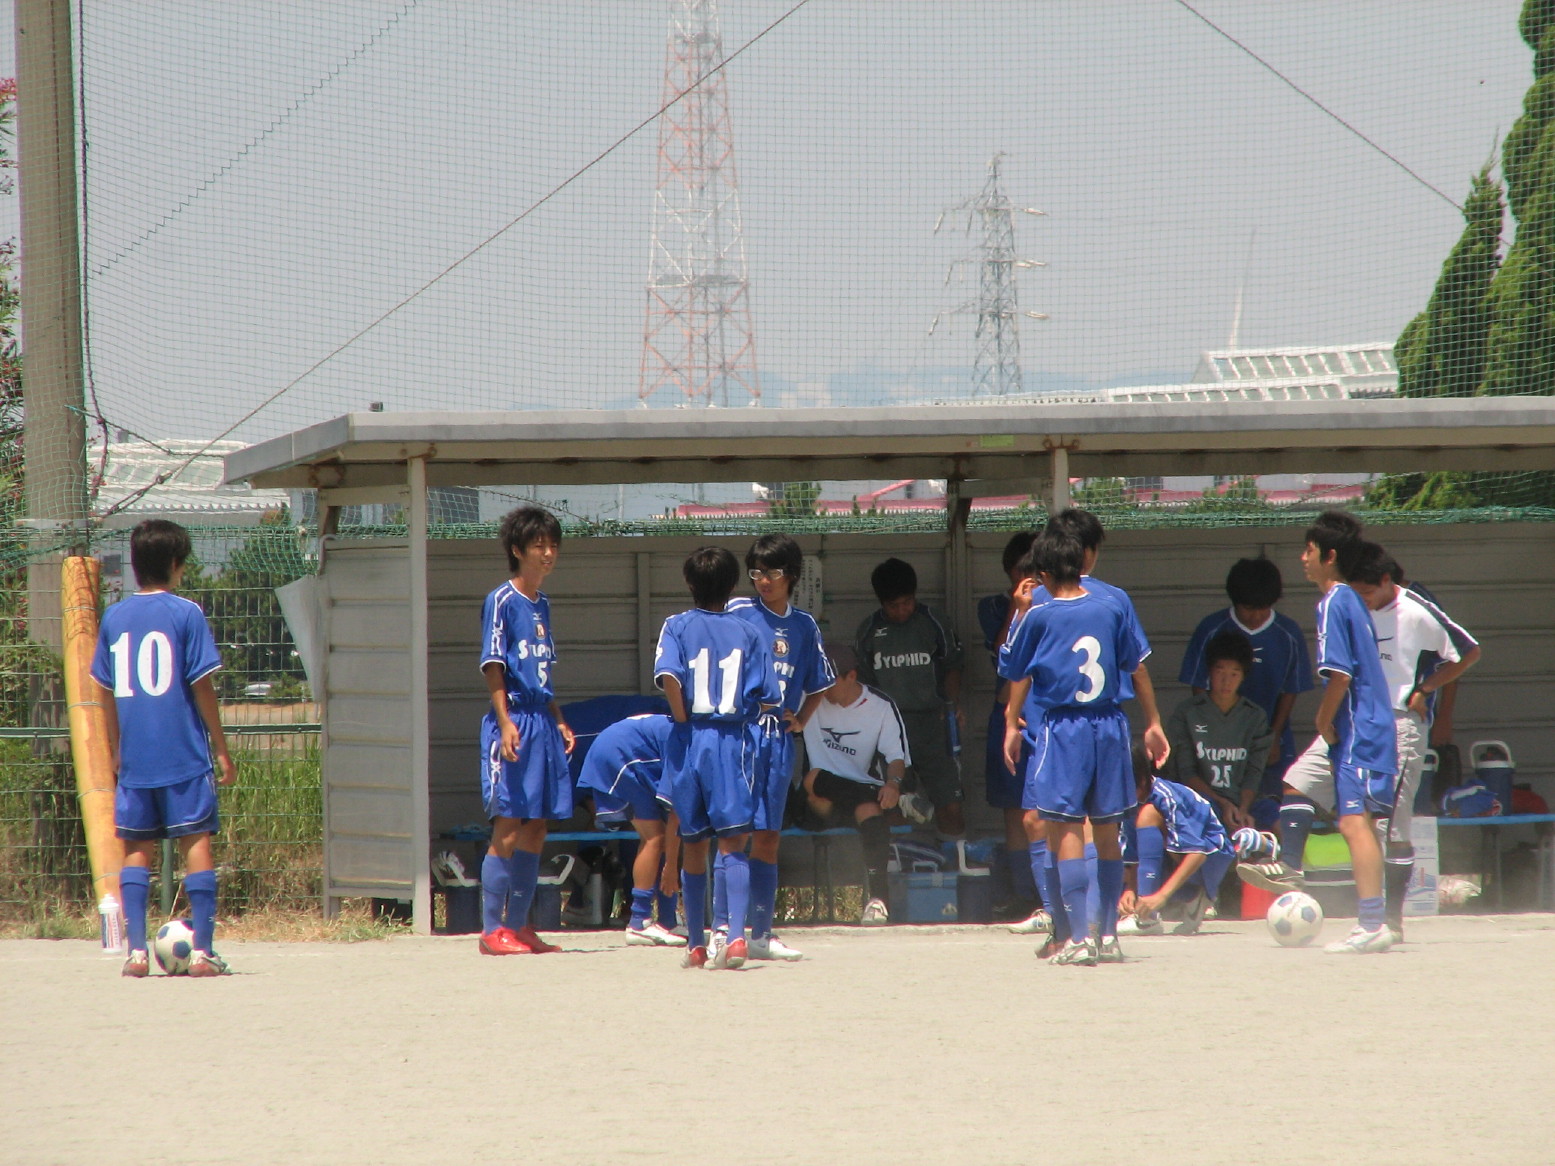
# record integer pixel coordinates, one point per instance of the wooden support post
(90, 748)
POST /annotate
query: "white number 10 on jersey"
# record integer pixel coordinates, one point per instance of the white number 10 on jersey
(728, 687)
(153, 664)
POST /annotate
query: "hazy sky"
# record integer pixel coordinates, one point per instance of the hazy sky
(264, 180)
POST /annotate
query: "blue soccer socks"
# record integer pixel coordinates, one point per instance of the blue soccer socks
(1296, 816)
(642, 908)
(1151, 845)
(135, 891)
(1052, 891)
(764, 886)
(667, 918)
(1093, 905)
(200, 886)
(1109, 886)
(720, 893)
(1074, 885)
(693, 893)
(1369, 913)
(737, 886)
(523, 875)
(495, 882)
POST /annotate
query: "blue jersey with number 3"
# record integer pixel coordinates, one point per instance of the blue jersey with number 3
(1076, 652)
(151, 648)
(516, 633)
(721, 662)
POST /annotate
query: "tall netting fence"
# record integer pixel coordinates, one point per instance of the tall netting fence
(288, 212)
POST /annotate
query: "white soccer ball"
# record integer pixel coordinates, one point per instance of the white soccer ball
(174, 947)
(1294, 919)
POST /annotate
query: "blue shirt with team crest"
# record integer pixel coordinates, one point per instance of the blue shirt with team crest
(1347, 643)
(794, 640)
(516, 633)
(151, 648)
(1078, 653)
(721, 663)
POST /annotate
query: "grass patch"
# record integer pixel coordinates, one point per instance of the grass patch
(354, 924)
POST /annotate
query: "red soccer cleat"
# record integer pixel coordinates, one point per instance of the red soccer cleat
(735, 954)
(528, 937)
(503, 941)
(695, 957)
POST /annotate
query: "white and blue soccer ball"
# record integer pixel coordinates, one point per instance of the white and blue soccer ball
(1294, 919)
(174, 946)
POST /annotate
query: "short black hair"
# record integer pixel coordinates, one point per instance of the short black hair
(1331, 530)
(1015, 550)
(1229, 645)
(525, 526)
(1081, 525)
(771, 551)
(156, 547)
(1366, 562)
(1254, 583)
(843, 658)
(711, 573)
(1058, 554)
(1144, 768)
(893, 579)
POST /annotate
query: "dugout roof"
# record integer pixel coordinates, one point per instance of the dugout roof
(991, 441)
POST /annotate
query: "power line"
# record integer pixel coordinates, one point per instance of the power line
(1313, 100)
(484, 243)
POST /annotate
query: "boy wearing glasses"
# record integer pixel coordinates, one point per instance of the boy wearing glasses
(803, 672)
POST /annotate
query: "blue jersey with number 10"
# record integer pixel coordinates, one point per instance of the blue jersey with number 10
(516, 633)
(1076, 652)
(721, 663)
(152, 647)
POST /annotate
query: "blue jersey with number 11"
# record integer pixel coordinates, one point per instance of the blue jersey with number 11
(1076, 652)
(721, 663)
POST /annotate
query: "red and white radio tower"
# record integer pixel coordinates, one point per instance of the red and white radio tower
(698, 336)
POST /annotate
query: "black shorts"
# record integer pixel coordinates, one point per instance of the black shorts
(844, 793)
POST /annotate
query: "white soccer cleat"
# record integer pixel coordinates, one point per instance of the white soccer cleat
(1038, 921)
(1109, 951)
(652, 935)
(772, 948)
(717, 946)
(1362, 942)
(916, 808)
(1078, 952)
(1134, 925)
(875, 913)
(1275, 877)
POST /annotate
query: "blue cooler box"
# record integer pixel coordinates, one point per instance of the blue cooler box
(926, 897)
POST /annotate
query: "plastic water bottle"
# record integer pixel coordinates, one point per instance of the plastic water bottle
(112, 926)
(955, 731)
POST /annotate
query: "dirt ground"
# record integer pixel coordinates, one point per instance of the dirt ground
(917, 1045)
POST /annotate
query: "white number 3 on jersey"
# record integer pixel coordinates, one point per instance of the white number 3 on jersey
(1091, 671)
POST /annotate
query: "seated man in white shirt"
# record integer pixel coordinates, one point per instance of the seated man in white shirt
(857, 748)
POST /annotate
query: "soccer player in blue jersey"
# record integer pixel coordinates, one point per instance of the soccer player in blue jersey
(1085, 528)
(1422, 651)
(1281, 669)
(1353, 763)
(524, 740)
(1172, 819)
(774, 563)
(623, 769)
(155, 656)
(1066, 662)
(716, 672)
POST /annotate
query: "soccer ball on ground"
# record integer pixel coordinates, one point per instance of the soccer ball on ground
(1294, 919)
(174, 946)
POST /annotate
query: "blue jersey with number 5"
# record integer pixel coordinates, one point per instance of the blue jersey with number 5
(152, 647)
(721, 662)
(516, 633)
(1076, 652)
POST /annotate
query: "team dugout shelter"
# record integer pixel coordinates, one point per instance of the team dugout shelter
(395, 622)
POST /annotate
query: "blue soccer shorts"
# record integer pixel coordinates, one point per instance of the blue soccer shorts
(538, 784)
(630, 794)
(710, 775)
(1003, 789)
(166, 811)
(774, 772)
(1339, 787)
(1080, 766)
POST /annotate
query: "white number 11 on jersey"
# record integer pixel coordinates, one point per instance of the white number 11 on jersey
(729, 683)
